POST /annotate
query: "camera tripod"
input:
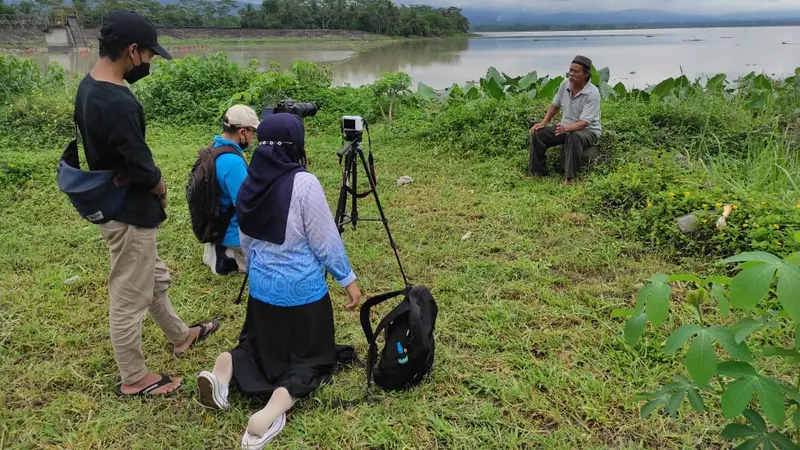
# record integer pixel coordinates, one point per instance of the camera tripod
(351, 154)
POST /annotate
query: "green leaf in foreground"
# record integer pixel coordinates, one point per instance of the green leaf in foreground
(737, 396)
(751, 285)
(634, 328)
(655, 297)
(679, 338)
(789, 289)
(700, 359)
(718, 293)
(426, 92)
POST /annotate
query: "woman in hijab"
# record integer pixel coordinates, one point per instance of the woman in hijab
(286, 348)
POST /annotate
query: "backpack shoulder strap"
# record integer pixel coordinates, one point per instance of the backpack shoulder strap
(368, 305)
(216, 152)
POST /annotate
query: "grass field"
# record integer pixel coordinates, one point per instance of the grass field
(527, 355)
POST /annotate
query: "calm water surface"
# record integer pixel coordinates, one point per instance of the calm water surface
(635, 57)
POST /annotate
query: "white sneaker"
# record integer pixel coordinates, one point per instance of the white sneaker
(210, 391)
(250, 442)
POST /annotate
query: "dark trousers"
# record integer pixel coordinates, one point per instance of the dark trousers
(574, 143)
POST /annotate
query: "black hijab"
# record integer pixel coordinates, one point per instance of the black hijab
(262, 205)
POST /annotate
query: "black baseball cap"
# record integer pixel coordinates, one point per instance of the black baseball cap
(131, 28)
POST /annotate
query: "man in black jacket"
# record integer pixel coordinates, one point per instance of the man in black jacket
(112, 126)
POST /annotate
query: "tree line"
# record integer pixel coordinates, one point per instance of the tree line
(372, 16)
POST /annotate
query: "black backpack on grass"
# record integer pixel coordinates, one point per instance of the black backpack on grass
(407, 354)
(203, 194)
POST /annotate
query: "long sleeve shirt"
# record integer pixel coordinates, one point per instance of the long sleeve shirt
(291, 274)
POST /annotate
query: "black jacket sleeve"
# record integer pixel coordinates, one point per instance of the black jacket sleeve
(126, 136)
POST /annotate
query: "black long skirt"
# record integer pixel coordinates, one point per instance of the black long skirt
(289, 347)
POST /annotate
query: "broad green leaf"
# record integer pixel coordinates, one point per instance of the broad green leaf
(634, 328)
(752, 256)
(793, 355)
(758, 102)
(695, 400)
(511, 81)
(763, 82)
(791, 392)
(756, 420)
(682, 82)
(745, 327)
(783, 442)
(473, 92)
(794, 258)
(617, 313)
(606, 91)
(751, 285)
(605, 74)
(679, 337)
(789, 289)
(595, 76)
(737, 396)
(657, 306)
(548, 91)
(700, 358)
(796, 418)
(752, 444)
(719, 294)
(717, 82)
(493, 74)
(648, 408)
(734, 431)
(770, 397)
(736, 369)
(767, 444)
(659, 278)
(528, 81)
(426, 92)
(674, 402)
(687, 277)
(726, 338)
(797, 336)
(455, 91)
(664, 88)
(619, 88)
(722, 281)
(492, 89)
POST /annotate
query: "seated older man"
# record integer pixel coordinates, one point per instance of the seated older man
(579, 128)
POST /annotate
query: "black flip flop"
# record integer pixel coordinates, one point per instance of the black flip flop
(146, 391)
(203, 333)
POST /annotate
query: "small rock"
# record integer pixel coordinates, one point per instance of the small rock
(687, 223)
(72, 279)
(466, 237)
(681, 159)
(405, 179)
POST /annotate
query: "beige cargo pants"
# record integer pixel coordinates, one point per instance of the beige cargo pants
(137, 284)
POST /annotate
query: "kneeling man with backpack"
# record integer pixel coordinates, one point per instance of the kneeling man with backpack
(213, 186)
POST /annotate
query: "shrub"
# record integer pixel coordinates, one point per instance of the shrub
(191, 90)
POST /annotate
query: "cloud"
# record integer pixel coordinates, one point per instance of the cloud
(679, 6)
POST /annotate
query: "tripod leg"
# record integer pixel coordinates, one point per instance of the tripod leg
(384, 220)
(342, 204)
(354, 169)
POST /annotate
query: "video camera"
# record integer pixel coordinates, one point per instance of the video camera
(352, 128)
(300, 109)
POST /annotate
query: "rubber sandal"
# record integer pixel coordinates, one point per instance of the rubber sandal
(209, 390)
(203, 333)
(250, 442)
(146, 391)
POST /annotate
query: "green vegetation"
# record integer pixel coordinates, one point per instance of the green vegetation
(373, 16)
(532, 350)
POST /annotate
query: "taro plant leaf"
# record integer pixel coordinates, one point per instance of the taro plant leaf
(605, 75)
(606, 91)
(426, 92)
(473, 92)
(455, 91)
(758, 102)
(493, 74)
(717, 82)
(789, 289)
(664, 88)
(700, 358)
(634, 328)
(548, 91)
(492, 89)
(620, 89)
(511, 81)
(655, 298)
(751, 285)
(528, 81)
(719, 294)
(679, 338)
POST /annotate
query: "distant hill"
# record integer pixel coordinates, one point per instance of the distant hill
(629, 18)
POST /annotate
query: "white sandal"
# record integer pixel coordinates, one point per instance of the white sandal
(210, 392)
(250, 442)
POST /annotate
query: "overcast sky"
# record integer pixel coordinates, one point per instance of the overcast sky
(680, 6)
